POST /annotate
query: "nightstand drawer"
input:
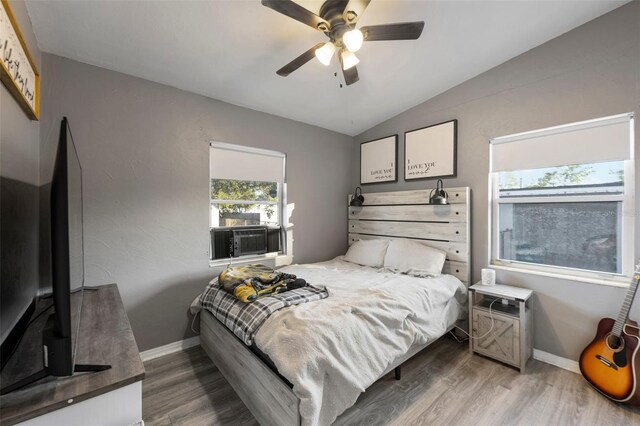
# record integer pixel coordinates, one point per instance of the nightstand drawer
(502, 342)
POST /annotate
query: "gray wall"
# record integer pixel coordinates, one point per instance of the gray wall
(591, 71)
(144, 153)
(19, 158)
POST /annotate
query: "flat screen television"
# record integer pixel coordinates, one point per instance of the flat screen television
(67, 257)
(59, 336)
(18, 261)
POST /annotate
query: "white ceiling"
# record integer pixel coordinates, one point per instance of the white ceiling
(230, 50)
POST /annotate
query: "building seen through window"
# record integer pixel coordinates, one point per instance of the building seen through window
(578, 229)
(563, 201)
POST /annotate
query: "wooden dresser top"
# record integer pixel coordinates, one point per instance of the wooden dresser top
(104, 337)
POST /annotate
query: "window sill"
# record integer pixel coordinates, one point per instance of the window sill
(279, 258)
(589, 280)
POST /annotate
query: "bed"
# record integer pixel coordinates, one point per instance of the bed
(287, 379)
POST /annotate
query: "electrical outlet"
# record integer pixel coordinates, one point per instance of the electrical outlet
(505, 301)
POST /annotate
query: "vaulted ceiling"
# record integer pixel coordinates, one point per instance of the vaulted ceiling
(230, 50)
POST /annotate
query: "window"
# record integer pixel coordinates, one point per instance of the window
(563, 199)
(243, 203)
(247, 187)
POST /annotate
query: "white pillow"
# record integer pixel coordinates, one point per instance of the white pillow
(413, 258)
(367, 252)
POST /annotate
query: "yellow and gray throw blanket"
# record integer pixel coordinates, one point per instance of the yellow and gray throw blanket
(245, 319)
(251, 282)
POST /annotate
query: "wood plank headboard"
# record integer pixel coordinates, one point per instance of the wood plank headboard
(408, 215)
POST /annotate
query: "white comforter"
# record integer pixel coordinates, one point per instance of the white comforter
(332, 350)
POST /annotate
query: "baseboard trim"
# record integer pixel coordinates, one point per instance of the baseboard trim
(558, 361)
(170, 348)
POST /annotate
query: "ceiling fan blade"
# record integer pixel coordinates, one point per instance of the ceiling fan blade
(354, 10)
(299, 61)
(350, 75)
(297, 12)
(402, 31)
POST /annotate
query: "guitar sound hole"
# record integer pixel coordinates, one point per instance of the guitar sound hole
(614, 342)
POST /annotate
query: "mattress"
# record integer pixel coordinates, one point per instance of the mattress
(451, 312)
(317, 346)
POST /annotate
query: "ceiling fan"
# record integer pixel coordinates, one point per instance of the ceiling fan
(338, 20)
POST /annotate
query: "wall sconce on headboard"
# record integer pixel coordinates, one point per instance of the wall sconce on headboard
(357, 199)
(440, 197)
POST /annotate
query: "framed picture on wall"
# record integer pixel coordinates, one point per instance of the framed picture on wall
(431, 152)
(18, 71)
(378, 160)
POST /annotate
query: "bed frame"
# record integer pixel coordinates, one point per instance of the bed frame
(392, 215)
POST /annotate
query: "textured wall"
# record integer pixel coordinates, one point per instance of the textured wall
(591, 71)
(19, 158)
(144, 153)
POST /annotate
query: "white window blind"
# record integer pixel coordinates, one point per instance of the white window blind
(237, 162)
(594, 141)
(562, 200)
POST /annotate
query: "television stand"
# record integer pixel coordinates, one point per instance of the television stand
(58, 355)
(78, 368)
(24, 382)
(89, 368)
(105, 336)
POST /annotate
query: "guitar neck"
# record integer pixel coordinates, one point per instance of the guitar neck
(626, 305)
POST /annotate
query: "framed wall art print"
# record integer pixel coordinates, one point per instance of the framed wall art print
(430, 152)
(379, 160)
(17, 69)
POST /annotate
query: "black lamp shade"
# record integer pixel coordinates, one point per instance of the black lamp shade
(357, 199)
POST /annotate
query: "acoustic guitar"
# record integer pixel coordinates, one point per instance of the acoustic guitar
(611, 362)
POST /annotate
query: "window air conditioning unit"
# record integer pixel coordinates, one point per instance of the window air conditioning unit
(250, 241)
(244, 241)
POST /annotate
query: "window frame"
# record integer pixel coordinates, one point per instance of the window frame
(627, 222)
(281, 203)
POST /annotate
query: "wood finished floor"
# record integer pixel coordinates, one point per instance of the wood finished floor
(442, 385)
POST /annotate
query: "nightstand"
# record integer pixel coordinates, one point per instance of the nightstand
(511, 338)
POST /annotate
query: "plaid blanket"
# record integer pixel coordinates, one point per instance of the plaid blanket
(245, 319)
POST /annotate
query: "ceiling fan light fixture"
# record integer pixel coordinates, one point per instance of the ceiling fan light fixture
(349, 60)
(337, 19)
(353, 40)
(325, 53)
